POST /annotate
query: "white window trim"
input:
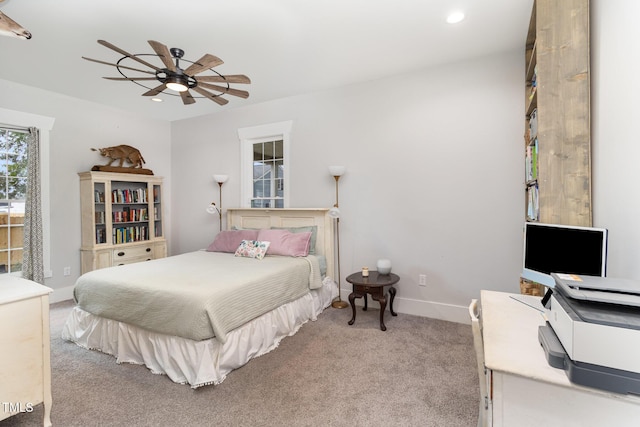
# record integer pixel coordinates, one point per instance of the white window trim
(254, 134)
(44, 124)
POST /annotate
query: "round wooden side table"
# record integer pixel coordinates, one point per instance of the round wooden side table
(373, 285)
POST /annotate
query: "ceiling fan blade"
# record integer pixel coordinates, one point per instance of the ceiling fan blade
(155, 90)
(204, 63)
(232, 78)
(117, 65)
(234, 92)
(187, 98)
(216, 99)
(163, 53)
(133, 79)
(125, 53)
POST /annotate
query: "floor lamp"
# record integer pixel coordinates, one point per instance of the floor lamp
(212, 209)
(334, 212)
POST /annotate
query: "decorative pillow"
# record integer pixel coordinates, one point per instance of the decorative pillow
(314, 234)
(284, 242)
(228, 241)
(252, 249)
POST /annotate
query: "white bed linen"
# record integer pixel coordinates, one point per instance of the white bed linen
(196, 295)
(197, 363)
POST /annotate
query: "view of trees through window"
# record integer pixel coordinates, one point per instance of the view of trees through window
(13, 187)
(268, 175)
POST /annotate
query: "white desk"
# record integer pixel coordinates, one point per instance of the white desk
(526, 391)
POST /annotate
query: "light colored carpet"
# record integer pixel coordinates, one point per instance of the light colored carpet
(420, 372)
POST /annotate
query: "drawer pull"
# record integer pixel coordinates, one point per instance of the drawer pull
(148, 249)
(120, 253)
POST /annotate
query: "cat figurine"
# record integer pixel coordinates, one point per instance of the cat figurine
(122, 153)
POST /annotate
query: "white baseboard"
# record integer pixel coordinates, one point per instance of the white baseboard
(61, 294)
(433, 310)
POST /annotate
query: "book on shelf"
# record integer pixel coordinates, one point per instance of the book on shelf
(534, 82)
(100, 218)
(533, 124)
(533, 207)
(129, 214)
(138, 195)
(130, 234)
(531, 161)
(101, 235)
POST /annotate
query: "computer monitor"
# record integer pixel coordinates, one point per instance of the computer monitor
(553, 248)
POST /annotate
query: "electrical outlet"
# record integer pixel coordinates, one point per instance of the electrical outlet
(422, 280)
(67, 271)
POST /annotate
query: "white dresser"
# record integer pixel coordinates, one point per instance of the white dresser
(25, 367)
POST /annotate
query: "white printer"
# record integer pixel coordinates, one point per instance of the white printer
(593, 331)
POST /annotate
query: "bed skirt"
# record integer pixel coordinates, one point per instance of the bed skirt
(196, 363)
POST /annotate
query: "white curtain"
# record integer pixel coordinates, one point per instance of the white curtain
(32, 258)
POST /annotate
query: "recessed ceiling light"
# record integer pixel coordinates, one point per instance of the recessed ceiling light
(156, 99)
(455, 17)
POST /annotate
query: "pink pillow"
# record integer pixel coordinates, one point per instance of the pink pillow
(284, 242)
(228, 241)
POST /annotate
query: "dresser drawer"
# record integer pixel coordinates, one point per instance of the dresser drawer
(131, 260)
(135, 252)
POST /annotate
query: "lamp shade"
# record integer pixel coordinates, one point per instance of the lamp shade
(220, 178)
(334, 212)
(212, 209)
(337, 170)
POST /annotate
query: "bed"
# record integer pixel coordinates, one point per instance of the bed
(197, 316)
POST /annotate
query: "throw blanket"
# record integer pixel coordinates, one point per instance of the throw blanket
(197, 295)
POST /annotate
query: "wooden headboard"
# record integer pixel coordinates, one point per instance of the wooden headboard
(303, 217)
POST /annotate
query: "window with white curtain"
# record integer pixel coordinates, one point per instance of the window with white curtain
(14, 130)
(265, 165)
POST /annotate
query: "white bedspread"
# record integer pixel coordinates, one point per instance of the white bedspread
(197, 295)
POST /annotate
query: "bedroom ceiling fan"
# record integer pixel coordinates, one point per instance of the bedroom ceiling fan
(175, 78)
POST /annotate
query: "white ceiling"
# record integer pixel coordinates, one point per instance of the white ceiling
(286, 47)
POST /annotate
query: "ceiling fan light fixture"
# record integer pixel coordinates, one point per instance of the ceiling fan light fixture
(173, 78)
(176, 83)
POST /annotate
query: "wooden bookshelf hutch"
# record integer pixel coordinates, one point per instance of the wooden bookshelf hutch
(121, 219)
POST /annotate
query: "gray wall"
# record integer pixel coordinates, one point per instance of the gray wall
(616, 139)
(433, 182)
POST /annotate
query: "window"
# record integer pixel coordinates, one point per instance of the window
(268, 175)
(13, 185)
(13, 134)
(265, 165)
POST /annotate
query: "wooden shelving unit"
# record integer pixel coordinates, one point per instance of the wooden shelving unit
(121, 219)
(557, 109)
